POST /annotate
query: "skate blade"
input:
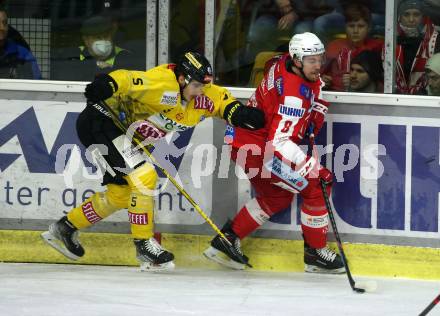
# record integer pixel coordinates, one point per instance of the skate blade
(219, 257)
(52, 241)
(314, 269)
(150, 267)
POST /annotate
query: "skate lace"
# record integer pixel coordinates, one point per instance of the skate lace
(326, 253)
(237, 246)
(74, 239)
(153, 247)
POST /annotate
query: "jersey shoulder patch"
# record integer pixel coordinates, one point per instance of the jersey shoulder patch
(271, 78)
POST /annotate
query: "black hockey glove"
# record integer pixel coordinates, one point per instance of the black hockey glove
(244, 116)
(100, 89)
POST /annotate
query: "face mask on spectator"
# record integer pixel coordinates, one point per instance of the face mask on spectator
(411, 31)
(102, 48)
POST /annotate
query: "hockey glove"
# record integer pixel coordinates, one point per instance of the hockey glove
(325, 175)
(244, 116)
(101, 88)
(319, 110)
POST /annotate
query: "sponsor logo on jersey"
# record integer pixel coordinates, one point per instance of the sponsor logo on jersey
(286, 173)
(180, 116)
(262, 87)
(252, 101)
(319, 221)
(167, 124)
(202, 102)
(149, 131)
(169, 98)
(90, 213)
(229, 134)
(288, 111)
(305, 91)
(138, 219)
(279, 85)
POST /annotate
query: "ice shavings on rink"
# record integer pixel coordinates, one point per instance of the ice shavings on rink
(58, 289)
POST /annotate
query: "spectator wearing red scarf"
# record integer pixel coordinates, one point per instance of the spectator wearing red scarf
(416, 42)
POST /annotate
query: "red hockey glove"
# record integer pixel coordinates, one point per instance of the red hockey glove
(319, 110)
(325, 175)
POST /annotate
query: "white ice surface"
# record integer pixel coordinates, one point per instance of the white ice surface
(64, 290)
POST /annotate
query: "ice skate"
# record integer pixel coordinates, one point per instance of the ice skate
(152, 256)
(322, 260)
(230, 256)
(63, 237)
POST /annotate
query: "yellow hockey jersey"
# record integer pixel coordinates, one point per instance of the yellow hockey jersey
(154, 96)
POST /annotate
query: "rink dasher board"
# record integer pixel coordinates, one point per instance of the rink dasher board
(266, 254)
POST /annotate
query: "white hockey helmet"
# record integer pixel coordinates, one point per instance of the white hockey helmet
(305, 44)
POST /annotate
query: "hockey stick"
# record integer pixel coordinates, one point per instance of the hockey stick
(430, 306)
(362, 286)
(108, 111)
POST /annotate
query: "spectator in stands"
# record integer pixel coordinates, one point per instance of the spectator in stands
(310, 11)
(277, 20)
(15, 35)
(415, 44)
(16, 61)
(340, 52)
(98, 54)
(333, 23)
(432, 74)
(366, 73)
(272, 19)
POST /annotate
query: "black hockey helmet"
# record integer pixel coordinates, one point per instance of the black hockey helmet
(194, 66)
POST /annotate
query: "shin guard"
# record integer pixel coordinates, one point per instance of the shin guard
(142, 183)
(141, 216)
(314, 225)
(250, 217)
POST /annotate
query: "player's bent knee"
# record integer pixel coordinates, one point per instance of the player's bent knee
(118, 195)
(143, 179)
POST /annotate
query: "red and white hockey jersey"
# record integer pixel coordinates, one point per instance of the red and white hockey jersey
(287, 101)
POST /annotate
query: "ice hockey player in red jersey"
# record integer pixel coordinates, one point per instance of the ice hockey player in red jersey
(290, 96)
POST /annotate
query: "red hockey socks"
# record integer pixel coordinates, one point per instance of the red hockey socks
(250, 217)
(314, 225)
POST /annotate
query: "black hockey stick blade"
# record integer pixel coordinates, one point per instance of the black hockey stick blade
(357, 289)
(430, 306)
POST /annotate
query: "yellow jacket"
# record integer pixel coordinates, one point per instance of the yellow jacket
(154, 96)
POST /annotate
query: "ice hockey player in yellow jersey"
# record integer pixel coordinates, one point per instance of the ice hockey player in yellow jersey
(167, 98)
